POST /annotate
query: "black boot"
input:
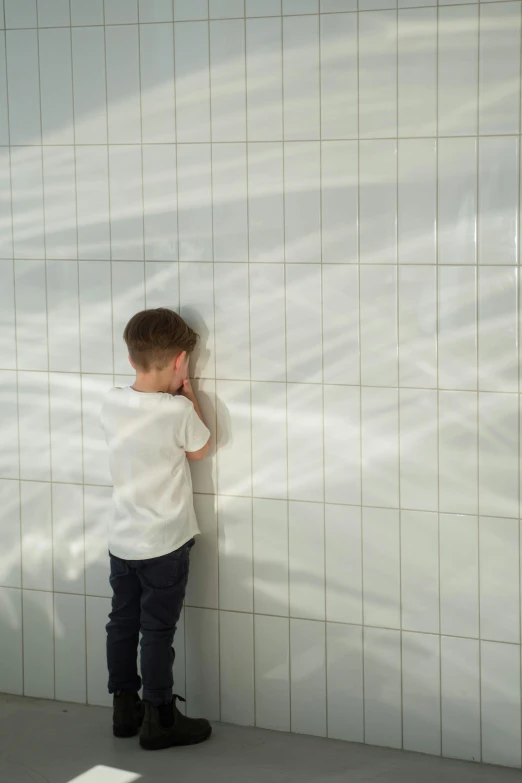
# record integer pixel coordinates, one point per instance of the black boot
(166, 727)
(127, 714)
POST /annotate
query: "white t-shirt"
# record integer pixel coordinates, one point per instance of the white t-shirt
(148, 435)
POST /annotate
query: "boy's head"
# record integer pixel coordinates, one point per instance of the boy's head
(159, 341)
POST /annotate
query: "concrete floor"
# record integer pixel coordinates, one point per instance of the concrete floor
(61, 743)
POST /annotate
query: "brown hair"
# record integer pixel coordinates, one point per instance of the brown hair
(154, 337)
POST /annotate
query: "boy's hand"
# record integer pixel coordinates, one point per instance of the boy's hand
(186, 388)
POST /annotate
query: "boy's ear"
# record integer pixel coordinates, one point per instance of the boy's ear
(180, 358)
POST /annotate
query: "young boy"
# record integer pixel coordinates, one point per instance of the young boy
(152, 428)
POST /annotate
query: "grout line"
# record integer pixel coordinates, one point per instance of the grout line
(80, 358)
(9, 156)
(477, 344)
(261, 380)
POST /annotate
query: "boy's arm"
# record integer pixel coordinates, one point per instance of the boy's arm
(188, 392)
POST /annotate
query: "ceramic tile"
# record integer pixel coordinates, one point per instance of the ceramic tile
(460, 698)
(499, 579)
(343, 563)
(458, 339)
(192, 78)
(31, 315)
(155, 11)
(339, 85)
(420, 572)
(421, 693)
(264, 85)
(458, 452)
(302, 203)
(265, 202)
(417, 201)
(92, 182)
(95, 317)
(227, 80)
(27, 203)
(38, 648)
(89, 84)
(11, 650)
(269, 448)
(303, 323)
(95, 458)
(90, 14)
(229, 199)
(231, 309)
(305, 442)
(344, 662)
(190, 9)
(235, 438)
(20, 13)
(497, 205)
(68, 538)
(237, 668)
(459, 578)
(300, 6)
(195, 202)
(378, 72)
(226, 9)
(381, 567)
(204, 472)
(306, 560)
(334, 6)
(418, 326)
(56, 90)
(97, 615)
(380, 447)
(267, 322)
(235, 554)
(270, 558)
(378, 202)
(123, 84)
(417, 71)
(419, 449)
(126, 196)
(202, 656)
(9, 455)
(63, 316)
(262, 7)
(10, 532)
(69, 648)
(4, 118)
(162, 284)
(339, 202)
(6, 218)
(301, 78)
(98, 509)
(497, 329)
(197, 308)
(379, 338)
(458, 70)
(160, 207)
(382, 687)
(23, 83)
(499, 110)
(128, 298)
(340, 293)
(66, 427)
(342, 444)
(61, 235)
(121, 11)
(500, 703)
(457, 200)
(498, 454)
(158, 110)
(272, 673)
(33, 426)
(308, 677)
(53, 13)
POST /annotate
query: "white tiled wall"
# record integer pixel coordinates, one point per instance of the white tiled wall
(330, 195)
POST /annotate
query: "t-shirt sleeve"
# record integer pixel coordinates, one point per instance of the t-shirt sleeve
(195, 434)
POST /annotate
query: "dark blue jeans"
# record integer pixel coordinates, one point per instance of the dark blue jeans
(147, 597)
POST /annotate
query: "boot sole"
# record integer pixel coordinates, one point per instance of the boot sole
(126, 732)
(161, 745)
